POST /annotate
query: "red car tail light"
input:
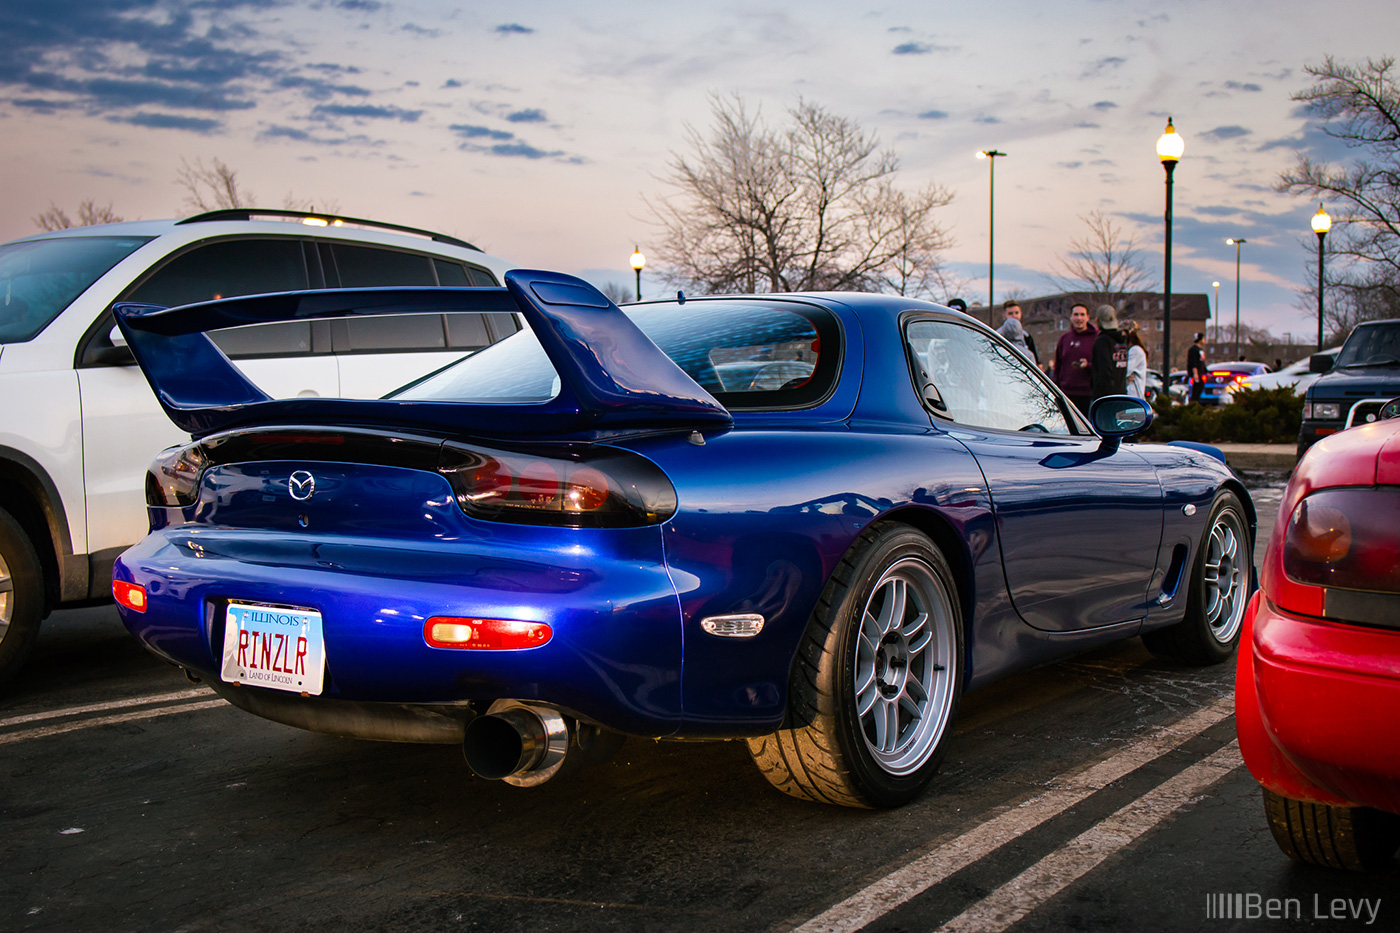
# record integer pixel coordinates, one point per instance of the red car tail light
(1347, 538)
(499, 634)
(172, 480)
(584, 488)
(129, 595)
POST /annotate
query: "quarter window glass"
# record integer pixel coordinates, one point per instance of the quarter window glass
(978, 382)
(367, 267)
(395, 332)
(502, 324)
(40, 278)
(225, 270)
(481, 277)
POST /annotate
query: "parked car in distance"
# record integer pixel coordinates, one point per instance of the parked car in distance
(1318, 679)
(78, 421)
(586, 531)
(1180, 390)
(1221, 376)
(1298, 374)
(1351, 391)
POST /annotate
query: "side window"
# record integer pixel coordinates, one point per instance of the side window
(226, 270)
(965, 376)
(391, 332)
(369, 266)
(467, 330)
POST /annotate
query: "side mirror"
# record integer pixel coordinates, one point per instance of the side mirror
(1390, 409)
(1321, 362)
(1119, 417)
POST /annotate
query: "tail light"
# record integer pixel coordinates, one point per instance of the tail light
(172, 480)
(498, 634)
(586, 488)
(1346, 538)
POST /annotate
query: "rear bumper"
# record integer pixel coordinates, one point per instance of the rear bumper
(614, 656)
(1316, 707)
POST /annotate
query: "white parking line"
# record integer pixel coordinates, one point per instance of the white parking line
(952, 856)
(1061, 868)
(99, 707)
(60, 728)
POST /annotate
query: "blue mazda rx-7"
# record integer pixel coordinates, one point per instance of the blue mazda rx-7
(808, 521)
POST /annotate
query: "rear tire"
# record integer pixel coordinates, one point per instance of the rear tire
(21, 596)
(877, 678)
(1219, 591)
(1353, 838)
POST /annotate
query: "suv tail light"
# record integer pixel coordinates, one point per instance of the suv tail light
(584, 488)
(172, 481)
(1346, 538)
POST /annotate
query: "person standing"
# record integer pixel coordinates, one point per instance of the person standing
(1196, 366)
(1011, 309)
(1071, 362)
(1108, 366)
(1137, 361)
(1018, 338)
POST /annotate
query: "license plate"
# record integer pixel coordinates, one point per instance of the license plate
(275, 647)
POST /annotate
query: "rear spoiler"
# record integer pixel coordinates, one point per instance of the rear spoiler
(612, 377)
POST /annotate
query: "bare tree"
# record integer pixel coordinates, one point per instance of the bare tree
(1104, 263)
(1361, 107)
(811, 205)
(616, 293)
(55, 218)
(211, 188)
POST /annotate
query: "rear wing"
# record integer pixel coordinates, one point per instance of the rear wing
(612, 377)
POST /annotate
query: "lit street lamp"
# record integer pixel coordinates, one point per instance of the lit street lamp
(1217, 311)
(1170, 146)
(1321, 223)
(991, 156)
(638, 260)
(1237, 242)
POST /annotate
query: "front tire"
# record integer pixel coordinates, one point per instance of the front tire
(1218, 594)
(877, 679)
(1354, 838)
(21, 596)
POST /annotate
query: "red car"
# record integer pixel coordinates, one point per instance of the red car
(1317, 689)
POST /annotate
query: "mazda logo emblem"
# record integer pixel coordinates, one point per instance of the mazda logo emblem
(302, 485)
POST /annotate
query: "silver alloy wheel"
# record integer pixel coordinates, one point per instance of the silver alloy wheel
(7, 596)
(906, 665)
(1225, 576)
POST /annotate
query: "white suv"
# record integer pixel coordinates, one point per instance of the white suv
(78, 421)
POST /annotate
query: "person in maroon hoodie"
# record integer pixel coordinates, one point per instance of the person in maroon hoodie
(1072, 358)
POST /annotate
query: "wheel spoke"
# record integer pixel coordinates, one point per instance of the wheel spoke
(910, 706)
(867, 698)
(870, 631)
(896, 599)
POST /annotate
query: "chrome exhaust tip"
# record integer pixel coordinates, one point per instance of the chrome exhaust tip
(516, 742)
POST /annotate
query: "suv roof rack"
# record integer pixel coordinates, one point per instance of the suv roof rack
(321, 220)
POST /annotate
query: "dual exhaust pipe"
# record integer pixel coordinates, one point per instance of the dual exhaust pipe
(526, 744)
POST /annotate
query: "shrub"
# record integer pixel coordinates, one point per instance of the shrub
(1258, 416)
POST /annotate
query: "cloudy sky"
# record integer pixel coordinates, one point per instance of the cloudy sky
(538, 128)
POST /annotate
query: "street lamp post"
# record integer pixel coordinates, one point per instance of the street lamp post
(991, 156)
(1321, 223)
(1237, 243)
(638, 260)
(1170, 146)
(1216, 285)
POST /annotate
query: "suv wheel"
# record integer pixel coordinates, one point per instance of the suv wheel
(21, 596)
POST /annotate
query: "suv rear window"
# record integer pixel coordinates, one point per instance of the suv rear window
(748, 354)
(39, 278)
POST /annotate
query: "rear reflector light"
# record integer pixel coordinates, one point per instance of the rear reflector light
(502, 634)
(129, 595)
(584, 487)
(1346, 538)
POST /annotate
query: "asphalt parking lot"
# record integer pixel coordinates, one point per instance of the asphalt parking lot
(1101, 793)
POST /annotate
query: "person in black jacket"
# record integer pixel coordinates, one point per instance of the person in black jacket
(1196, 366)
(1108, 363)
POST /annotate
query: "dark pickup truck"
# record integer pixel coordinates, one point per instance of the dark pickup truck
(1364, 377)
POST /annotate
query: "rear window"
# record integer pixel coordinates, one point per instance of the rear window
(748, 354)
(39, 278)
